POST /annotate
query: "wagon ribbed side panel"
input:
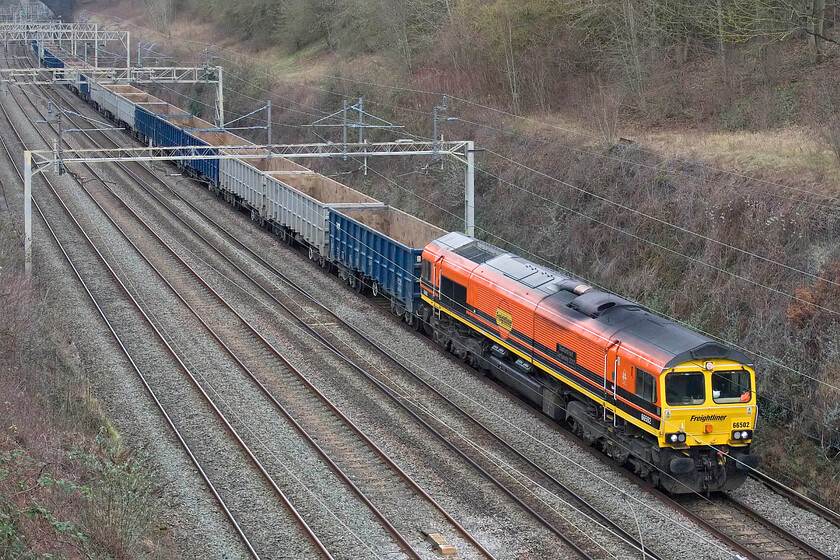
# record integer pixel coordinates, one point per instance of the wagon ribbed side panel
(164, 133)
(106, 98)
(125, 110)
(299, 212)
(168, 134)
(244, 181)
(144, 120)
(369, 245)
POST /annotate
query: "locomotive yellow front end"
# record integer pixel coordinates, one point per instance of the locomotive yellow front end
(708, 417)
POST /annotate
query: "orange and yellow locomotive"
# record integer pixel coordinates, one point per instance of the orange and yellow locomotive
(677, 406)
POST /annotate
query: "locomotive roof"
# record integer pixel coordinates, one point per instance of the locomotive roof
(611, 316)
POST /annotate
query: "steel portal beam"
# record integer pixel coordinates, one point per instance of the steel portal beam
(60, 32)
(36, 161)
(68, 75)
(40, 158)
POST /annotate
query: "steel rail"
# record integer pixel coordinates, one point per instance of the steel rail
(404, 544)
(771, 530)
(614, 527)
(763, 540)
(802, 501)
(126, 352)
(177, 358)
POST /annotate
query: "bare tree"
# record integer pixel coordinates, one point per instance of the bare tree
(162, 12)
(814, 25)
(605, 104)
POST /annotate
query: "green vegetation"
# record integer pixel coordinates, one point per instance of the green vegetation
(68, 488)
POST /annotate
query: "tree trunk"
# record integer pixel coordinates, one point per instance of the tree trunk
(510, 59)
(814, 26)
(721, 42)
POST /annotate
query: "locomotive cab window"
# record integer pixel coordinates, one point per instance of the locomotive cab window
(453, 293)
(731, 386)
(683, 389)
(645, 385)
(426, 272)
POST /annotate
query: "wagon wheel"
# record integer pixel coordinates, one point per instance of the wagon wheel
(360, 284)
(374, 289)
(324, 263)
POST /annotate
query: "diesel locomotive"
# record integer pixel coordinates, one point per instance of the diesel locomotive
(677, 407)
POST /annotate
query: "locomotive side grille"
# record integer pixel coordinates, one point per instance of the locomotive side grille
(588, 354)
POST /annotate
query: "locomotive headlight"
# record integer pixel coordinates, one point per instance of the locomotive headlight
(682, 438)
(742, 435)
(675, 438)
(736, 435)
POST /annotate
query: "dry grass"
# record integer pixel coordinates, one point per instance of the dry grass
(789, 152)
(68, 489)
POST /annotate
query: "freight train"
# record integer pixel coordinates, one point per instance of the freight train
(676, 407)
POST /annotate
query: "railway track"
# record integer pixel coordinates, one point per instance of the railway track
(739, 527)
(796, 498)
(507, 469)
(745, 530)
(180, 276)
(100, 290)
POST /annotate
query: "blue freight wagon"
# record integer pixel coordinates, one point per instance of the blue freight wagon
(381, 246)
(50, 61)
(162, 128)
(211, 136)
